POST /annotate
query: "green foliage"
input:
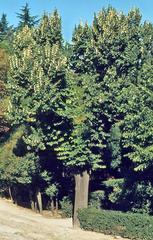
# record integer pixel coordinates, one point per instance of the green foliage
(82, 37)
(96, 199)
(6, 34)
(49, 30)
(16, 169)
(130, 194)
(51, 190)
(3, 92)
(66, 207)
(3, 25)
(37, 73)
(122, 56)
(82, 145)
(132, 226)
(36, 82)
(116, 188)
(114, 145)
(142, 200)
(27, 169)
(139, 122)
(88, 104)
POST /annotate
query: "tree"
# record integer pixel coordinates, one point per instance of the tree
(6, 34)
(26, 18)
(36, 82)
(116, 54)
(3, 25)
(123, 53)
(3, 92)
(81, 148)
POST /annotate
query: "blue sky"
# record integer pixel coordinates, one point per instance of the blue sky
(73, 11)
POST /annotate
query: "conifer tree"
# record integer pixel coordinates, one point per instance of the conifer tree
(6, 32)
(3, 24)
(26, 18)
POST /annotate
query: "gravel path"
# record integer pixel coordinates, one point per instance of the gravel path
(17, 223)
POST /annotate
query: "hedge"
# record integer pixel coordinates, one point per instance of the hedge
(128, 225)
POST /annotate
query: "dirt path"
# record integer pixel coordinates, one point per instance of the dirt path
(21, 224)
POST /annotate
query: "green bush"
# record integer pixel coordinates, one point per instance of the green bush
(96, 198)
(66, 207)
(129, 195)
(129, 225)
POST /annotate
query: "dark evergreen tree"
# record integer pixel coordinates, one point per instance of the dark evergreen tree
(6, 32)
(26, 18)
(3, 24)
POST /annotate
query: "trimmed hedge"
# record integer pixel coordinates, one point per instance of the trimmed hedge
(128, 225)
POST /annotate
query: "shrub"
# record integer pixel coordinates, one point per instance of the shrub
(66, 207)
(130, 195)
(96, 198)
(129, 225)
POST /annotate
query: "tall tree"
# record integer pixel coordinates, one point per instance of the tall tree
(37, 79)
(6, 33)
(3, 24)
(3, 91)
(123, 52)
(87, 135)
(81, 148)
(115, 53)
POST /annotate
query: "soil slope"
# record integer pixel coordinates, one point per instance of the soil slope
(17, 223)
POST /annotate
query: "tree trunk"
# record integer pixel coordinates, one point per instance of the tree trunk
(36, 206)
(39, 200)
(52, 205)
(81, 195)
(56, 205)
(10, 194)
(32, 202)
(14, 194)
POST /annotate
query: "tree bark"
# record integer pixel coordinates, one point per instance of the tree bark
(10, 194)
(81, 195)
(36, 206)
(32, 202)
(52, 205)
(14, 194)
(56, 205)
(39, 200)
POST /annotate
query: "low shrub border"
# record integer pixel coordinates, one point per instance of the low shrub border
(128, 225)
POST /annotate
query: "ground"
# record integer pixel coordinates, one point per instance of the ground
(17, 223)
